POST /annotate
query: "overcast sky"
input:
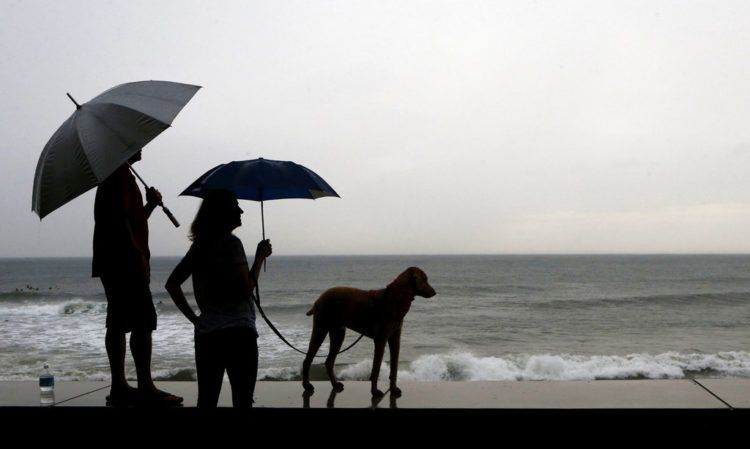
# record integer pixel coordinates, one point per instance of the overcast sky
(445, 126)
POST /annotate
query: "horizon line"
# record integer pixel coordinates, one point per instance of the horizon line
(440, 255)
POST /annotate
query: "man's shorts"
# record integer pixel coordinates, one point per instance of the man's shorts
(129, 305)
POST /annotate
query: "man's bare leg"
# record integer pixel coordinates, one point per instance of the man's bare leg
(114, 342)
(140, 347)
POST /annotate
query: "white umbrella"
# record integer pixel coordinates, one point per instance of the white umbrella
(101, 135)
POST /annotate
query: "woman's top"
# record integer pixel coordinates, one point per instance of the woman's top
(218, 286)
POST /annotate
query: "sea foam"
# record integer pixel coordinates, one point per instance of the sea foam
(465, 366)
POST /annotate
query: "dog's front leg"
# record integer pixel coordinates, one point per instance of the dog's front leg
(394, 344)
(377, 360)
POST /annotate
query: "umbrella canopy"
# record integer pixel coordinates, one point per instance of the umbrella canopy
(262, 180)
(101, 135)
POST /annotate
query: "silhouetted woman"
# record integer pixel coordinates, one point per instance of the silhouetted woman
(225, 335)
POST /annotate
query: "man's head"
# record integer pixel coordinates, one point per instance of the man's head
(135, 158)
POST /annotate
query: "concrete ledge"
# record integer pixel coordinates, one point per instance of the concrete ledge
(735, 392)
(671, 411)
(610, 394)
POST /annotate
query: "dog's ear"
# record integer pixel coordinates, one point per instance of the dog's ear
(415, 276)
(413, 279)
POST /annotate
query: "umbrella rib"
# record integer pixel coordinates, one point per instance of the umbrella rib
(168, 125)
(115, 133)
(83, 152)
(125, 94)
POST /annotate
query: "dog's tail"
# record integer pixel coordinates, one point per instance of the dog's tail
(311, 311)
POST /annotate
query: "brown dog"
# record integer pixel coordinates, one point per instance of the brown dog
(378, 314)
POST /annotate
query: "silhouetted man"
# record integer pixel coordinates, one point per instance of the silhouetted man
(121, 260)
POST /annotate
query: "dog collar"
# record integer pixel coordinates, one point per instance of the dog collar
(401, 299)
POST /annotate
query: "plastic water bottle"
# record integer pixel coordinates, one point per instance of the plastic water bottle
(46, 387)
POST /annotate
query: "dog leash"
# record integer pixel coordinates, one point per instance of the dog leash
(276, 331)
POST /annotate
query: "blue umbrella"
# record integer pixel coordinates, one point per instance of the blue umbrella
(262, 180)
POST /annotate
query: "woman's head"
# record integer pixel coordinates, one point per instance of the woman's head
(219, 214)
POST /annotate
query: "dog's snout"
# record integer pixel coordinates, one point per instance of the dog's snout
(427, 291)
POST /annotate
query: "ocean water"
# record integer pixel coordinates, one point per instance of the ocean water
(494, 318)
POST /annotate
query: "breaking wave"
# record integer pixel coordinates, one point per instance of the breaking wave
(464, 366)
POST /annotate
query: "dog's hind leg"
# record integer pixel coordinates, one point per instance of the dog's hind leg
(336, 339)
(316, 339)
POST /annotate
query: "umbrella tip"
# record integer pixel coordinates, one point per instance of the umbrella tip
(78, 106)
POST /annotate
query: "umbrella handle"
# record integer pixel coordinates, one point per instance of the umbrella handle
(161, 204)
(170, 216)
(263, 223)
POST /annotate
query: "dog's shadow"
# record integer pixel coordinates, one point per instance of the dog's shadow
(331, 401)
(306, 398)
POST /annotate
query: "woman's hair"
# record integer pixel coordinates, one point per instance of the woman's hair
(214, 217)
